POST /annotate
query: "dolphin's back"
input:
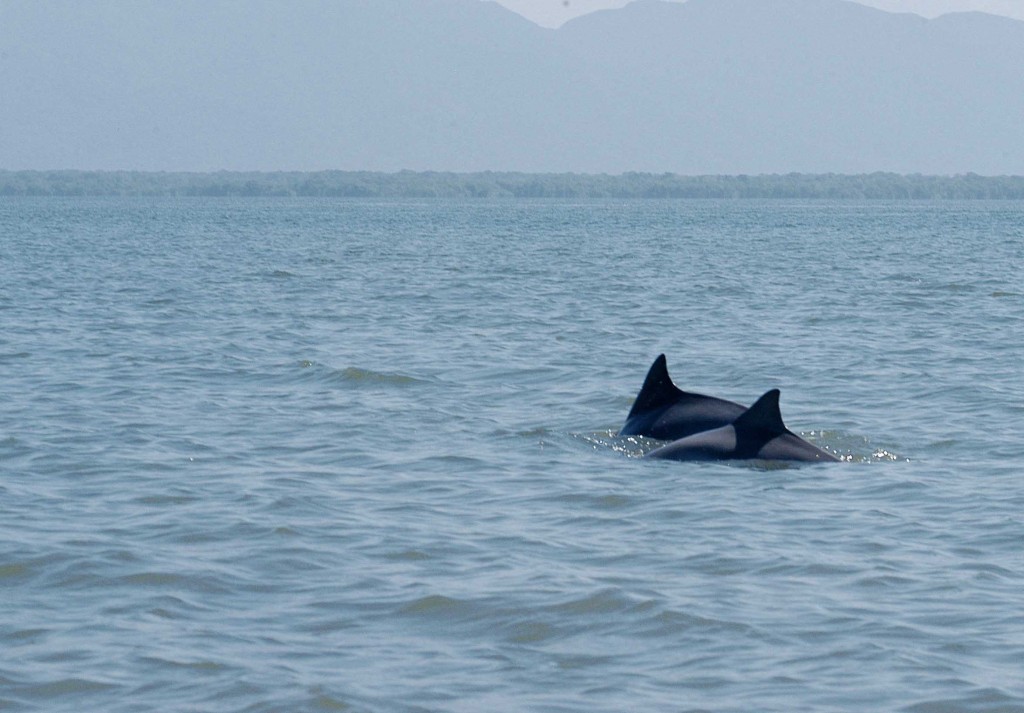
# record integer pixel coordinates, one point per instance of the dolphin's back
(664, 411)
(758, 433)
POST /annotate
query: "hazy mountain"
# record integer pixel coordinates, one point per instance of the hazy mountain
(934, 8)
(707, 86)
(554, 13)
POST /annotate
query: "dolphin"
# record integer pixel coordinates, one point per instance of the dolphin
(664, 411)
(758, 433)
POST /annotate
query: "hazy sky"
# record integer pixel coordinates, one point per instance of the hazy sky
(182, 85)
(552, 13)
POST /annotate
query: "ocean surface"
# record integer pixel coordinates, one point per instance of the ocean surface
(341, 455)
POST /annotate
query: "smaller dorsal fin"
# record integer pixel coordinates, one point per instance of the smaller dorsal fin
(763, 416)
(658, 389)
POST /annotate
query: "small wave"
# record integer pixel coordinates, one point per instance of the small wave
(408, 555)
(324, 702)
(672, 623)
(957, 287)
(165, 499)
(571, 662)
(630, 446)
(883, 581)
(530, 632)
(359, 377)
(441, 608)
(985, 699)
(986, 570)
(67, 687)
(539, 432)
(13, 570)
(884, 455)
(366, 376)
(14, 356)
(850, 447)
(199, 666)
(27, 634)
(162, 581)
(604, 601)
(610, 501)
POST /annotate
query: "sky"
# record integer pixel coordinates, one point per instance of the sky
(86, 85)
(552, 13)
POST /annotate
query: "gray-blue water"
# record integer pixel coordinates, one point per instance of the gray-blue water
(277, 455)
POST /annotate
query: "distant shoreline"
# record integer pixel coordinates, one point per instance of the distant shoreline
(431, 184)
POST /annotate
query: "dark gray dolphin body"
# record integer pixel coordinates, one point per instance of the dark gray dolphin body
(664, 411)
(758, 433)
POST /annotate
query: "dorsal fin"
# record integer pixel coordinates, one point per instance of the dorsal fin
(764, 416)
(658, 389)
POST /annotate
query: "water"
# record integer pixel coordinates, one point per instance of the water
(339, 455)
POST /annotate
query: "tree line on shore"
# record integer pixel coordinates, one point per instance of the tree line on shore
(431, 184)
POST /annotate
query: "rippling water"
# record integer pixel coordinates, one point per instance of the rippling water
(333, 455)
